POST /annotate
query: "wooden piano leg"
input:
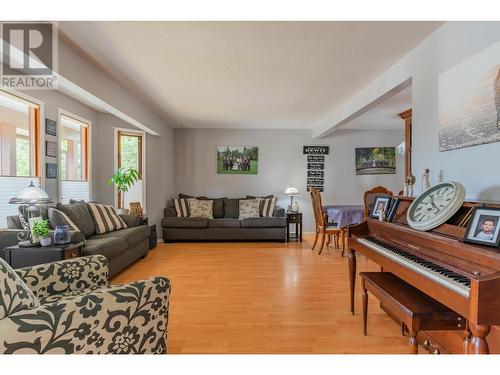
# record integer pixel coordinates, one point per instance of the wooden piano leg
(478, 344)
(413, 344)
(352, 276)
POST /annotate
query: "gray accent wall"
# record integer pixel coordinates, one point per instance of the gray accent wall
(281, 163)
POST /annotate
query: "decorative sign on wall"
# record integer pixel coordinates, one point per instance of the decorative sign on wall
(50, 170)
(316, 166)
(51, 149)
(316, 150)
(316, 158)
(50, 127)
(315, 174)
(315, 181)
(318, 187)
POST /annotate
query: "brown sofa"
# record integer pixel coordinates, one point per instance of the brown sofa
(121, 248)
(225, 226)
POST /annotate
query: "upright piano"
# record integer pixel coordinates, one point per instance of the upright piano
(463, 276)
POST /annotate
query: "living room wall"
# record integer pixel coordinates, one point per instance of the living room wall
(281, 163)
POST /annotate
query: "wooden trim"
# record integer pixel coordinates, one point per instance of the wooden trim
(119, 150)
(407, 117)
(87, 153)
(38, 144)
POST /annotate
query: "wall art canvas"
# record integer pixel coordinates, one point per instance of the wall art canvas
(237, 159)
(469, 101)
(375, 160)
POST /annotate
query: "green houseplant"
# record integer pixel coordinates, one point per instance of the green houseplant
(124, 179)
(41, 230)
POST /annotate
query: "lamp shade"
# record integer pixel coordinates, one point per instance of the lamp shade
(31, 195)
(291, 190)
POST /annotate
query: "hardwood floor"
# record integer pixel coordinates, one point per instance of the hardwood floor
(264, 298)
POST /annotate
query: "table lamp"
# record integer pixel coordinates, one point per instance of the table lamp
(27, 199)
(291, 191)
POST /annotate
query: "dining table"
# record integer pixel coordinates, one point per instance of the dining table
(342, 216)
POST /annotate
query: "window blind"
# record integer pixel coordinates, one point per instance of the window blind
(76, 190)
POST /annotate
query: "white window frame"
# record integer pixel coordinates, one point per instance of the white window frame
(115, 156)
(61, 112)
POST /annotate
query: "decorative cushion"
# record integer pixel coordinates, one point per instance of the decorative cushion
(200, 208)
(57, 218)
(267, 206)
(249, 208)
(217, 208)
(79, 214)
(231, 208)
(181, 207)
(105, 218)
(14, 293)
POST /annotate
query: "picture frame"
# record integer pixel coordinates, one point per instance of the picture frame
(375, 160)
(51, 149)
(393, 208)
(315, 181)
(380, 202)
(237, 160)
(484, 227)
(50, 127)
(50, 170)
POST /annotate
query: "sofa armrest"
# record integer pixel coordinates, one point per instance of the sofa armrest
(131, 220)
(279, 212)
(129, 318)
(169, 212)
(66, 275)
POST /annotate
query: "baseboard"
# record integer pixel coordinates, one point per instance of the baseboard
(159, 240)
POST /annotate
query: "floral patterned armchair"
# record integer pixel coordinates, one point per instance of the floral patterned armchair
(74, 310)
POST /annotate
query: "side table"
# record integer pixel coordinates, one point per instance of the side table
(294, 218)
(18, 257)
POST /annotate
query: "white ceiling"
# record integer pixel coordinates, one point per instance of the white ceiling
(260, 75)
(384, 116)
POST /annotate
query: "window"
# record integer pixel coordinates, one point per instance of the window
(74, 158)
(129, 154)
(19, 149)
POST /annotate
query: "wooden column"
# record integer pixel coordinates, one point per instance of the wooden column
(406, 116)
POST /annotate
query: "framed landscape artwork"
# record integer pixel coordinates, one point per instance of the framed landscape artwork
(375, 160)
(237, 159)
(469, 101)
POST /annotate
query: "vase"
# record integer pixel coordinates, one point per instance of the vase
(295, 207)
(45, 241)
(61, 235)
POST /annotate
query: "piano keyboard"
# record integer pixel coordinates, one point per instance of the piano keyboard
(443, 276)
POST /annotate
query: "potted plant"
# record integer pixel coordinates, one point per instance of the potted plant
(124, 179)
(41, 230)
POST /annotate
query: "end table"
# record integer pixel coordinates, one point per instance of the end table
(294, 218)
(18, 257)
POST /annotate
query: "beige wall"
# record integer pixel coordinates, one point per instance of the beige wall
(281, 163)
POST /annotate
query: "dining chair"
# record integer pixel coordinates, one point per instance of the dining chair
(370, 195)
(322, 227)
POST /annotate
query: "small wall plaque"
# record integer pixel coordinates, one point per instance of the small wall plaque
(315, 174)
(50, 170)
(318, 187)
(316, 158)
(51, 149)
(50, 127)
(316, 150)
(317, 166)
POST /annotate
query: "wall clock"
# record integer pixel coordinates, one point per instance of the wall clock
(435, 205)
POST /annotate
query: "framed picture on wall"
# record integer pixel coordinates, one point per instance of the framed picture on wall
(237, 159)
(50, 170)
(50, 127)
(51, 149)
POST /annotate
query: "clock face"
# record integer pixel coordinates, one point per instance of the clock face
(435, 205)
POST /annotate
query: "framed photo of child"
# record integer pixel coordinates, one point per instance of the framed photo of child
(380, 205)
(484, 227)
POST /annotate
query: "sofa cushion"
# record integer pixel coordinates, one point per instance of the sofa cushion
(224, 223)
(231, 208)
(105, 217)
(184, 222)
(79, 213)
(133, 235)
(264, 222)
(107, 246)
(249, 208)
(201, 208)
(58, 218)
(217, 207)
(14, 293)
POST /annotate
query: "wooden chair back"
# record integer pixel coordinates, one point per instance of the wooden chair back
(319, 216)
(370, 195)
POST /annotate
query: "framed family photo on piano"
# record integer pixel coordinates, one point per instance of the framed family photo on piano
(380, 205)
(484, 227)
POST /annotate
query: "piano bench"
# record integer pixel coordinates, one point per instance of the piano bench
(413, 308)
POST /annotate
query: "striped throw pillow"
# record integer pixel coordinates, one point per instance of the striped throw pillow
(267, 206)
(181, 207)
(105, 218)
